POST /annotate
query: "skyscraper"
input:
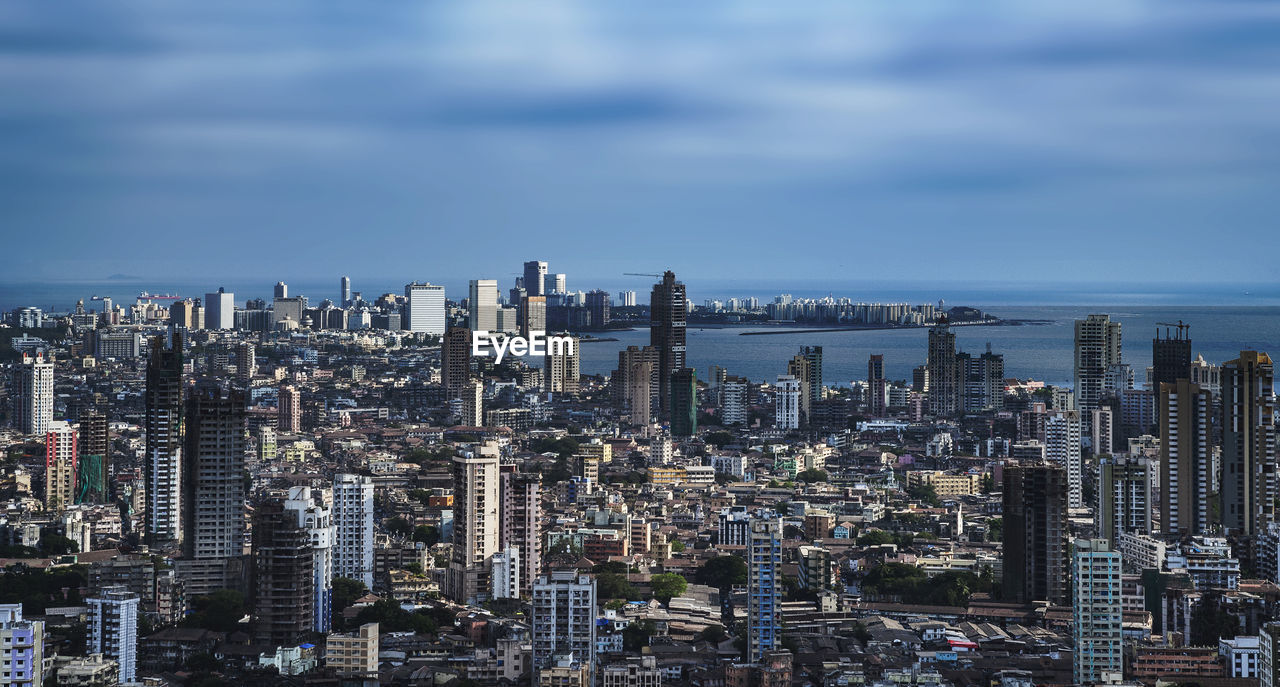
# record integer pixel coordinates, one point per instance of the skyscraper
(94, 464)
(635, 383)
(684, 402)
(533, 315)
(1124, 496)
(559, 284)
(813, 354)
(878, 386)
(733, 401)
(1062, 447)
(220, 310)
(287, 310)
(283, 578)
(60, 466)
(801, 367)
(667, 317)
(1185, 457)
(1097, 350)
(982, 381)
(213, 493)
(475, 523)
(598, 308)
(317, 519)
(535, 276)
(424, 309)
(564, 620)
(32, 394)
(560, 369)
(482, 305)
(289, 410)
(473, 404)
(163, 462)
(344, 292)
(786, 402)
(943, 394)
(246, 363)
(113, 628)
(1096, 610)
(1248, 443)
(455, 361)
(521, 523)
(1035, 534)
(764, 590)
(1171, 356)
(281, 290)
(353, 527)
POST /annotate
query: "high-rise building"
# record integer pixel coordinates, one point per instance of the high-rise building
(353, 527)
(564, 619)
(1096, 607)
(560, 369)
(627, 299)
(559, 284)
(182, 315)
(801, 367)
(287, 312)
(943, 393)
(473, 404)
(60, 466)
(684, 402)
(317, 519)
(482, 305)
(1171, 355)
(1035, 534)
(344, 292)
(786, 402)
(93, 467)
(533, 315)
(635, 383)
(455, 361)
(289, 410)
(353, 654)
(32, 394)
(475, 523)
(246, 363)
(535, 278)
(163, 461)
(1268, 654)
(1097, 350)
(281, 290)
(981, 381)
(813, 380)
(521, 523)
(283, 594)
(1102, 431)
(764, 588)
(878, 386)
(220, 310)
(213, 491)
(1186, 457)
(113, 629)
(424, 309)
(504, 574)
(1248, 443)
(1124, 496)
(733, 401)
(668, 314)
(21, 648)
(598, 308)
(1062, 447)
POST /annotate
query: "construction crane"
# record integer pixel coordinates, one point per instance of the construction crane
(641, 274)
(1183, 329)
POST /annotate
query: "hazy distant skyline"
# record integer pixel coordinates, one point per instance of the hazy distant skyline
(1098, 140)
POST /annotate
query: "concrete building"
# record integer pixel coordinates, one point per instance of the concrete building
(1186, 445)
(283, 577)
(521, 524)
(1248, 443)
(475, 523)
(943, 393)
(93, 466)
(564, 620)
(353, 654)
(504, 574)
(113, 629)
(684, 402)
(639, 671)
(1097, 350)
(786, 403)
(163, 459)
(1062, 447)
(764, 587)
(60, 455)
(21, 648)
(317, 519)
(286, 312)
(560, 368)
(1096, 610)
(289, 410)
(1035, 534)
(482, 305)
(220, 310)
(1240, 654)
(213, 487)
(455, 361)
(1269, 655)
(32, 394)
(535, 277)
(353, 527)
(668, 316)
(424, 309)
(1124, 496)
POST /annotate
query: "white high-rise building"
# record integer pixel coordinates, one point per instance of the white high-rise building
(627, 298)
(353, 528)
(1095, 572)
(313, 515)
(473, 404)
(21, 648)
(1097, 351)
(424, 309)
(560, 286)
(32, 393)
(733, 401)
(475, 523)
(220, 310)
(344, 292)
(764, 588)
(505, 574)
(787, 402)
(482, 305)
(59, 466)
(113, 629)
(1062, 446)
(564, 619)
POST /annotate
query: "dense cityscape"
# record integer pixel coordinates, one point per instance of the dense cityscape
(209, 490)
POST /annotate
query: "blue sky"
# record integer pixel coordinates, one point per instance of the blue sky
(1103, 140)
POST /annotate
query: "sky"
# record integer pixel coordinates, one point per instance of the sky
(1083, 141)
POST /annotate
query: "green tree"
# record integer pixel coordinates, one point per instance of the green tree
(875, 538)
(427, 534)
(57, 545)
(615, 567)
(665, 586)
(925, 493)
(614, 586)
(636, 635)
(812, 475)
(677, 546)
(713, 633)
(722, 572)
(399, 525)
(220, 611)
(995, 529)
(720, 439)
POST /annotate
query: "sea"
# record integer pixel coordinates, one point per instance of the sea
(1224, 320)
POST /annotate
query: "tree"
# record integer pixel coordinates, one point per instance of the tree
(636, 635)
(875, 538)
(713, 633)
(399, 525)
(995, 529)
(665, 586)
(812, 475)
(57, 545)
(722, 572)
(615, 567)
(988, 483)
(720, 439)
(925, 493)
(220, 611)
(677, 546)
(427, 534)
(614, 586)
